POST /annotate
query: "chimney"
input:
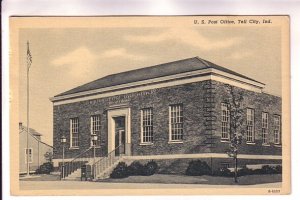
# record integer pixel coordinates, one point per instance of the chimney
(20, 126)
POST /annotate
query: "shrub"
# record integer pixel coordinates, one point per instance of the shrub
(223, 172)
(121, 171)
(45, 168)
(278, 169)
(198, 168)
(245, 171)
(150, 168)
(135, 169)
(266, 169)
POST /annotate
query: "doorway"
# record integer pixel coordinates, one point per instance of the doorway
(119, 131)
(120, 135)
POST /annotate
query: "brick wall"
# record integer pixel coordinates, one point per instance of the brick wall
(260, 102)
(201, 120)
(190, 95)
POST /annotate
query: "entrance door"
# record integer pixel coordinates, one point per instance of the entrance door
(120, 135)
(119, 119)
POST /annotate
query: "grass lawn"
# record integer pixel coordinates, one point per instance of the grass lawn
(213, 180)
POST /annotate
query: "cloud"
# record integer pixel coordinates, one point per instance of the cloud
(240, 55)
(82, 64)
(77, 62)
(186, 36)
(81, 55)
(121, 53)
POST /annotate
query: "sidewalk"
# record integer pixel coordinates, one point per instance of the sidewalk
(65, 185)
(40, 177)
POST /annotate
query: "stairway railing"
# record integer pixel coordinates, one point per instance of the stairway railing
(108, 160)
(76, 163)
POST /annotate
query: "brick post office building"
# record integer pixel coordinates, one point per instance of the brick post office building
(171, 113)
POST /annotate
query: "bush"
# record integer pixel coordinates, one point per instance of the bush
(136, 169)
(198, 168)
(121, 171)
(45, 168)
(223, 172)
(278, 169)
(266, 169)
(245, 171)
(150, 168)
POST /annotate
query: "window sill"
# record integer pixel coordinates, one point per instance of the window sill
(251, 143)
(146, 144)
(225, 140)
(97, 147)
(175, 142)
(278, 145)
(266, 145)
(71, 148)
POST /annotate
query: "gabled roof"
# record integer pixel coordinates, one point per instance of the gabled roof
(156, 71)
(31, 130)
(33, 133)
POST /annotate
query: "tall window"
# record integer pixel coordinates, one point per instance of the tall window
(176, 122)
(265, 126)
(74, 132)
(250, 125)
(225, 121)
(277, 129)
(30, 155)
(147, 125)
(95, 129)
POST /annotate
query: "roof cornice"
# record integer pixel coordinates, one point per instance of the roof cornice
(187, 75)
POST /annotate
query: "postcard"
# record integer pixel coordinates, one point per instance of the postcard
(150, 105)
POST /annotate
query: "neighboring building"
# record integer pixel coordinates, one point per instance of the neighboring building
(172, 113)
(36, 150)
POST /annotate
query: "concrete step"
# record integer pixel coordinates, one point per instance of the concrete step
(106, 173)
(74, 175)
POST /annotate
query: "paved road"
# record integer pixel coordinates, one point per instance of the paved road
(77, 185)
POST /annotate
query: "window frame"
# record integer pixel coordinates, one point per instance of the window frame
(31, 157)
(92, 130)
(265, 130)
(180, 105)
(225, 165)
(142, 125)
(227, 105)
(253, 126)
(71, 133)
(279, 130)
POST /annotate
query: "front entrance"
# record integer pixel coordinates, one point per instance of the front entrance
(119, 131)
(120, 135)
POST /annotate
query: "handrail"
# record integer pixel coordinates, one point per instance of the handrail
(99, 166)
(107, 161)
(108, 154)
(81, 154)
(76, 163)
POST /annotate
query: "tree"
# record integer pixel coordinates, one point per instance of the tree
(48, 156)
(236, 121)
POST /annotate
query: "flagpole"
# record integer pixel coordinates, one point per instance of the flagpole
(27, 148)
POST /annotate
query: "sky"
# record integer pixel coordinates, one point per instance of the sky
(64, 58)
